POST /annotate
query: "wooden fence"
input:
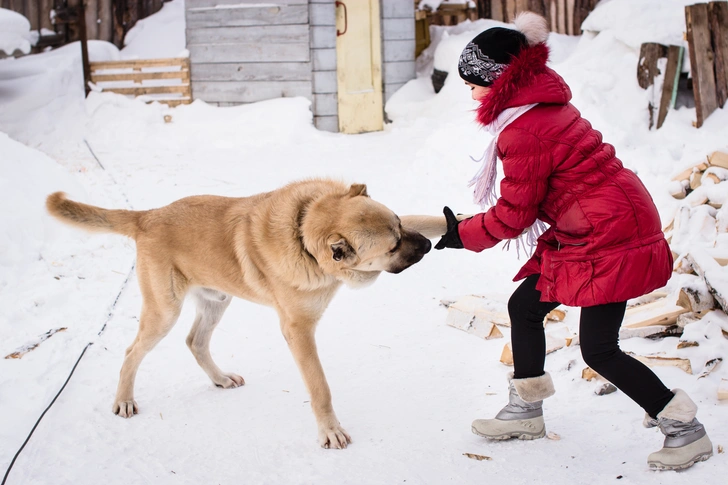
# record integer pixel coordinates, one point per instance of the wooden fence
(162, 80)
(107, 20)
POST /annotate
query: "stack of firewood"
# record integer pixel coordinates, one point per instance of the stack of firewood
(699, 239)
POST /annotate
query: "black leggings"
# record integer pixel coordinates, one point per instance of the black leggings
(599, 341)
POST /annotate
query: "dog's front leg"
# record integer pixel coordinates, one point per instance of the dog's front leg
(299, 334)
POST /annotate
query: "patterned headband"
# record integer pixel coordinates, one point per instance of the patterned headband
(474, 63)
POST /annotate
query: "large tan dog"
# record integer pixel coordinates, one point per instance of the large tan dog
(289, 249)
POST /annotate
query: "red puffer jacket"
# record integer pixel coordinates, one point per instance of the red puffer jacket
(605, 243)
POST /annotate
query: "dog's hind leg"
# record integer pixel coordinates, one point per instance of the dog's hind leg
(211, 305)
(162, 294)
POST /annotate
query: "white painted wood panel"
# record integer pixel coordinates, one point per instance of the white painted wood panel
(399, 50)
(325, 104)
(323, 59)
(249, 92)
(323, 37)
(270, 71)
(246, 15)
(398, 29)
(279, 34)
(249, 52)
(324, 82)
(399, 72)
(323, 14)
(398, 8)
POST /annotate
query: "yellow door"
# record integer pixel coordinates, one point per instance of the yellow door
(359, 66)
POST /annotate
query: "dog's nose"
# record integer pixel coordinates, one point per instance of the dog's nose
(428, 246)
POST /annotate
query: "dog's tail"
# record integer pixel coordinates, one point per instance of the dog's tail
(94, 219)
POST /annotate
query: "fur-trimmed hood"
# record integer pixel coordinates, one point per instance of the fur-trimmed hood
(527, 80)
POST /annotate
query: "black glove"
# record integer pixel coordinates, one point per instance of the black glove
(451, 239)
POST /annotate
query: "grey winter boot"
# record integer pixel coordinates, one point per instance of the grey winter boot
(686, 441)
(522, 417)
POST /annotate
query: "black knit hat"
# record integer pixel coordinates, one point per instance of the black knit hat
(486, 56)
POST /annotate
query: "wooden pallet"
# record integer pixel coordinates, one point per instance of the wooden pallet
(109, 75)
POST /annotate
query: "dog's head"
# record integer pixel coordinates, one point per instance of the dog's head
(362, 238)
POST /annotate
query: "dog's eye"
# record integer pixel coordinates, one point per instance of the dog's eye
(396, 246)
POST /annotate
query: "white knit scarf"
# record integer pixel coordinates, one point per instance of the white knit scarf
(484, 181)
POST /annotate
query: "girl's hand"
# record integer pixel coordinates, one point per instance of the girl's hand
(451, 239)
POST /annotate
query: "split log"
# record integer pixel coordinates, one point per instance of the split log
(652, 332)
(670, 82)
(658, 361)
(715, 276)
(688, 318)
(723, 389)
(695, 179)
(660, 312)
(684, 344)
(702, 62)
(588, 374)
(718, 15)
(554, 341)
(685, 174)
(696, 299)
(719, 159)
(556, 316)
(481, 323)
(710, 366)
(31, 346)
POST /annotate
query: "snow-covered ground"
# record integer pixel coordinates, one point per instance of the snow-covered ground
(405, 385)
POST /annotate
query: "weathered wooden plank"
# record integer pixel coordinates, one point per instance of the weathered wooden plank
(399, 50)
(92, 15)
(250, 52)
(325, 104)
(670, 82)
(718, 12)
(140, 63)
(279, 34)
(398, 72)
(249, 92)
(141, 76)
(140, 90)
(702, 62)
(106, 20)
(398, 9)
(246, 15)
(212, 3)
(323, 59)
(324, 82)
(326, 123)
(323, 37)
(263, 71)
(649, 72)
(322, 14)
(398, 29)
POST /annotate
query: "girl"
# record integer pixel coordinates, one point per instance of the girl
(604, 244)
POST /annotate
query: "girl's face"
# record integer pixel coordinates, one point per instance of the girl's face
(478, 92)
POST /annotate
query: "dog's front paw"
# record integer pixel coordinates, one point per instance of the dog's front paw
(126, 409)
(333, 436)
(229, 381)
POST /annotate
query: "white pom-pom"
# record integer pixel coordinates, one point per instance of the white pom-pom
(533, 26)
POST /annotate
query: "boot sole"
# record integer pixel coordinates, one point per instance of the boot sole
(656, 465)
(507, 436)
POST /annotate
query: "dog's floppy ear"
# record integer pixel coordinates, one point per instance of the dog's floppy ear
(341, 250)
(358, 189)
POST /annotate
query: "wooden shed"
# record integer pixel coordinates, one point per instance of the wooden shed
(348, 57)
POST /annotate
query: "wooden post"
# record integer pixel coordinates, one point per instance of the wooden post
(84, 46)
(702, 61)
(670, 82)
(718, 12)
(648, 70)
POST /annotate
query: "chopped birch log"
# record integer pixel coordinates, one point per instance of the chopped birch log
(657, 361)
(556, 315)
(31, 346)
(684, 344)
(696, 299)
(719, 159)
(695, 178)
(652, 332)
(723, 389)
(715, 276)
(688, 318)
(710, 366)
(589, 374)
(554, 341)
(688, 172)
(472, 314)
(604, 389)
(660, 312)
